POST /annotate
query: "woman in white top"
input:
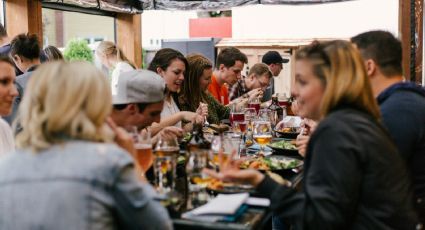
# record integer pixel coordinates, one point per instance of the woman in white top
(114, 59)
(171, 65)
(7, 94)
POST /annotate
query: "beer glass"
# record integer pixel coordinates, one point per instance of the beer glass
(262, 134)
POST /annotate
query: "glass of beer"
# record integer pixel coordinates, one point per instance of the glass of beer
(166, 152)
(143, 146)
(262, 134)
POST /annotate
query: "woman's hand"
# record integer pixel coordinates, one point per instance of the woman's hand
(167, 133)
(202, 109)
(301, 142)
(230, 172)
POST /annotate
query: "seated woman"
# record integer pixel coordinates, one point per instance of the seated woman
(353, 176)
(195, 89)
(8, 92)
(112, 57)
(67, 172)
(171, 65)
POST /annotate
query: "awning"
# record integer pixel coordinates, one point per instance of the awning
(137, 6)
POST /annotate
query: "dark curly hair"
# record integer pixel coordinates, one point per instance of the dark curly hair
(25, 45)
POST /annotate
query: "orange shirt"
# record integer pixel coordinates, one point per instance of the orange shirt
(219, 92)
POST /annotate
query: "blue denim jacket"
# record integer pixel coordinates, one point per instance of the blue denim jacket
(76, 185)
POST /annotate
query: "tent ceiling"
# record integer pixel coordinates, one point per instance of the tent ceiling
(137, 6)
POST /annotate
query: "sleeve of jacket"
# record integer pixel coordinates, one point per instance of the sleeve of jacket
(136, 206)
(331, 184)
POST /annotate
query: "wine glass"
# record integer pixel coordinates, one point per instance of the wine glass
(166, 152)
(262, 134)
(255, 103)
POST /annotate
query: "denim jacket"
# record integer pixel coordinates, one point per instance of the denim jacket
(76, 185)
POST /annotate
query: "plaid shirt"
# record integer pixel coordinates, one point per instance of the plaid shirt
(238, 89)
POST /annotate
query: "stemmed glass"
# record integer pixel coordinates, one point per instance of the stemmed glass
(255, 103)
(265, 115)
(166, 152)
(262, 134)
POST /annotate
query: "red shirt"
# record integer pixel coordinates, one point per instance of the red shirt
(219, 92)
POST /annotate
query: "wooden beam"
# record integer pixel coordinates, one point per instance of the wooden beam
(24, 16)
(411, 35)
(419, 39)
(404, 30)
(129, 36)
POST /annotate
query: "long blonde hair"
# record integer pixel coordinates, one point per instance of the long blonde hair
(109, 48)
(339, 66)
(64, 101)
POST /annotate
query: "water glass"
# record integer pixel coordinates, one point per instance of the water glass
(166, 152)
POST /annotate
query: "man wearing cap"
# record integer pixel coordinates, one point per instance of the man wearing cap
(274, 60)
(139, 100)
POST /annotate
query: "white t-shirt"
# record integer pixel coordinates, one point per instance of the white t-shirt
(169, 109)
(120, 67)
(7, 143)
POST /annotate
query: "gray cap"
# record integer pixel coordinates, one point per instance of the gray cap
(139, 86)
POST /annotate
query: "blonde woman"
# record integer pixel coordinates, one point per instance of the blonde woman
(353, 176)
(66, 171)
(112, 57)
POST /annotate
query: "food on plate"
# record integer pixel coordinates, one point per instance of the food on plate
(270, 163)
(289, 130)
(283, 144)
(219, 128)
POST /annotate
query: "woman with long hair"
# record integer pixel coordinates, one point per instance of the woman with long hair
(353, 176)
(171, 65)
(195, 89)
(67, 171)
(114, 59)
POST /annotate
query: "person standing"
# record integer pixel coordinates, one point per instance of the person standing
(275, 62)
(229, 65)
(112, 57)
(402, 103)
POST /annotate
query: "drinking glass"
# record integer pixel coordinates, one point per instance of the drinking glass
(265, 115)
(197, 180)
(236, 115)
(143, 146)
(254, 103)
(262, 134)
(250, 116)
(166, 152)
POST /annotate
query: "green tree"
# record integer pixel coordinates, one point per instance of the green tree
(78, 50)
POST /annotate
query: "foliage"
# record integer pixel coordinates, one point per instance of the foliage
(78, 50)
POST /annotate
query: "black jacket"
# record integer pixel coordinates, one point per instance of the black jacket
(353, 179)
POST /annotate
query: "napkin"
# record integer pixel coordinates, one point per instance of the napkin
(224, 207)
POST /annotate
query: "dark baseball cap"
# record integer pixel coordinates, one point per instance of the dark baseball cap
(273, 57)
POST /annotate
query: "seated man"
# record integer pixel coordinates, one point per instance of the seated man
(229, 65)
(254, 85)
(139, 101)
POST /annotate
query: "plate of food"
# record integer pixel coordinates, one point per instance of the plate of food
(271, 163)
(217, 186)
(288, 132)
(284, 147)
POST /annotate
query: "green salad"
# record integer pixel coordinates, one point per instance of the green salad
(283, 144)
